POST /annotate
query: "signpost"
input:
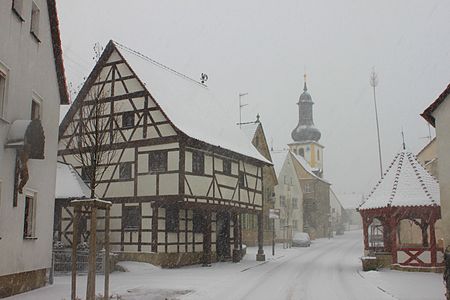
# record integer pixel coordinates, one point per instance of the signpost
(274, 213)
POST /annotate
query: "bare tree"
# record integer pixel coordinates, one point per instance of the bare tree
(94, 132)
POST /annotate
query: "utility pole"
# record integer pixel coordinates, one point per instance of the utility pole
(240, 107)
(374, 82)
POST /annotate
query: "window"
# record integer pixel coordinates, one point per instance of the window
(87, 173)
(131, 218)
(198, 163)
(295, 224)
(301, 152)
(157, 161)
(125, 170)
(35, 110)
(294, 203)
(17, 7)
(35, 14)
(242, 182)
(29, 217)
(2, 93)
(227, 167)
(198, 222)
(128, 119)
(172, 219)
(318, 155)
(307, 188)
(282, 201)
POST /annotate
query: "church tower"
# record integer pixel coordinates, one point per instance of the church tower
(306, 136)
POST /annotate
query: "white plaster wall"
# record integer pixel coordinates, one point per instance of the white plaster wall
(289, 191)
(31, 70)
(442, 116)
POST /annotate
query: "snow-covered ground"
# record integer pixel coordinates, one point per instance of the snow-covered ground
(329, 269)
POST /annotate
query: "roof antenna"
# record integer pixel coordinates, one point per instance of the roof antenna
(403, 138)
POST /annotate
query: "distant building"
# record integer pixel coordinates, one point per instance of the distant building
(337, 213)
(255, 132)
(32, 87)
(288, 195)
(309, 154)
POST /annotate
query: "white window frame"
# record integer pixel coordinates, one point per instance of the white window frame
(35, 20)
(17, 8)
(37, 99)
(307, 188)
(4, 73)
(33, 196)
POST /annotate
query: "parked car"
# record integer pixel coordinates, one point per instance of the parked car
(301, 239)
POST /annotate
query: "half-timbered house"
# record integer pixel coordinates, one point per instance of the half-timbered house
(182, 172)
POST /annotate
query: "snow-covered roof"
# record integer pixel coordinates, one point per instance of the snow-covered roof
(69, 184)
(278, 159)
(250, 130)
(189, 105)
(405, 183)
(307, 166)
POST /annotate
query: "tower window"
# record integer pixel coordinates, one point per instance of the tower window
(301, 152)
(318, 155)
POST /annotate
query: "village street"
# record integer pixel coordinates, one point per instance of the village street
(329, 269)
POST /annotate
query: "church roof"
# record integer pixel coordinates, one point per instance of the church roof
(405, 183)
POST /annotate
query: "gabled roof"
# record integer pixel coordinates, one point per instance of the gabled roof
(405, 183)
(57, 51)
(189, 105)
(305, 165)
(428, 113)
(69, 184)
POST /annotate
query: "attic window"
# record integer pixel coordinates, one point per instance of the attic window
(198, 163)
(128, 119)
(227, 167)
(35, 15)
(17, 7)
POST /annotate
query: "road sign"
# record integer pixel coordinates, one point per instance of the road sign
(274, 213)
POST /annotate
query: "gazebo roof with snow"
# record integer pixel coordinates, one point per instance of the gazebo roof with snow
(406, 183)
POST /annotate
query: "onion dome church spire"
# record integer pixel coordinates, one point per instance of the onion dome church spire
(305, 130)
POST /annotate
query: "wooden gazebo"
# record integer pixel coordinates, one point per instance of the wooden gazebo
(406, 192)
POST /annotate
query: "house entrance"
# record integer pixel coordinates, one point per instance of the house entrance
(223, 236)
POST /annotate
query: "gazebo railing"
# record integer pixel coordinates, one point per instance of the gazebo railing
(419, 257)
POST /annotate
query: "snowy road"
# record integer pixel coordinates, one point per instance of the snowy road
(329, 269)
(326, 270)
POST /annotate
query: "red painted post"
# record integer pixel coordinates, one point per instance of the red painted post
(433, 249)
(393, 232)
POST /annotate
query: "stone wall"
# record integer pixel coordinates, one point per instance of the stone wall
(21, 282)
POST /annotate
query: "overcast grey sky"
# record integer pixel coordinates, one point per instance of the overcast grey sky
(264, 47)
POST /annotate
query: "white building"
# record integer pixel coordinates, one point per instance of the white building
(32, 86)
(288, 195)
